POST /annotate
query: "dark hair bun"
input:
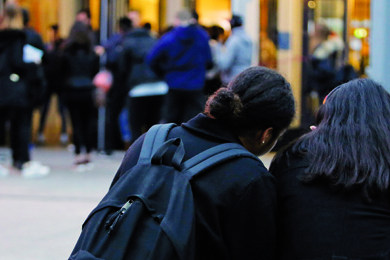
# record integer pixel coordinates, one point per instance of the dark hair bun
(225, 105)
(256, 99)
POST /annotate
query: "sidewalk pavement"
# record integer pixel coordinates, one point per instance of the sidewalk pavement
(41, 218)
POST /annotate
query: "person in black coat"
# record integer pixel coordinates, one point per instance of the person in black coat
(16, 93)
(144, 89)
(235, 202)
(333, 183)
(52, 67)
(116, 96)
(79, 66)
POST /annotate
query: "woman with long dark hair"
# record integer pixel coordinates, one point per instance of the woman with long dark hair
(333, 183)
(79, 65)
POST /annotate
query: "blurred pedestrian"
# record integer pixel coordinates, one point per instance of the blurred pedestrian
(236, 54)
(36, 74)
(181, 56)
(325, 59)
(135, 17)
(213, 75)
(79, 65)
(112, 47)
(84, 16)
(333, 183)
(16, 102)
(116, 96)
(33, 38)
(52, 66)
(145, 90)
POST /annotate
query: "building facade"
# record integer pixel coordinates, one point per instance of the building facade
(280, 29)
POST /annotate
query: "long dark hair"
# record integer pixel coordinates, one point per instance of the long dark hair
(351, 145)
(79, 38)
(256, 99)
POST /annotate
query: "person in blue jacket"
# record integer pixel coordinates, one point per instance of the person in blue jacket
(181, 57)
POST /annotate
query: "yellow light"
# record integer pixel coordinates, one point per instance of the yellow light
(360, 33)
(312, 4)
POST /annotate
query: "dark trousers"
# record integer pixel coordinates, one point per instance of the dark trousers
(144, 112)
(45, 108)
(113, 136)
(182, 105)
(20, 133)
(83, 116)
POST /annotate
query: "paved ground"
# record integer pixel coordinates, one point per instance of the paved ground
(41, 218)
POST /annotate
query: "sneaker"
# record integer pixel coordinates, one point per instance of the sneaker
(34, 169)
(64, 139)
(71, 148)
(41, 139)
(81, 167)
(3, 171)
(90, 166)
(84, 165)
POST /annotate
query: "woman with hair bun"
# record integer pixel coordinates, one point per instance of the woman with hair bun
(235, 202)
(333, 183)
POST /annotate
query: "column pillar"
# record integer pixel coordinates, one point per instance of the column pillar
(172, 7)
(249, 10)
(290, 30)
(67, 14)
(1, 6)
(379, 40)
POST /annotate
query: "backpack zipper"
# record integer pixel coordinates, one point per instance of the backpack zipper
(110, 224)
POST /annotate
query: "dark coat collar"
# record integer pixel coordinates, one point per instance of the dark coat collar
(8, 37)
(138, 32)
(12, 33)
(212, 127)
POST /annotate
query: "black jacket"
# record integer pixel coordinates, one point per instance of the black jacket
(319, 221)
(13, 71)
(78, 67)
(134, 70)
(235, 203)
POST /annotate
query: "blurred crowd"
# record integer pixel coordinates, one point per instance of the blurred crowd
(138, 77)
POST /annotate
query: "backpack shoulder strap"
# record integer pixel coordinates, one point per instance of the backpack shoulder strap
(213, 156)
(154, 138)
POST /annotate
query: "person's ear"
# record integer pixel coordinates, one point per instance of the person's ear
(262, 137)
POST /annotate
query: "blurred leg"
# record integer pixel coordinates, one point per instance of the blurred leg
(76, 127)
(173, 107)
(20, 136)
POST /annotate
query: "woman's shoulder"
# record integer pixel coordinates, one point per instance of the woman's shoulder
(290, 157)
(13, 33)
(10, 36)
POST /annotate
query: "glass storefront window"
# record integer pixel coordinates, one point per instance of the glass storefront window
(331, 14)
(268, 34)
(358, 34)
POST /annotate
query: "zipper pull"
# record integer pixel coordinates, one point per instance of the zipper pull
(110, 224)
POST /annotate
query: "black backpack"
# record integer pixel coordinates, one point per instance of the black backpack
(149, 213)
